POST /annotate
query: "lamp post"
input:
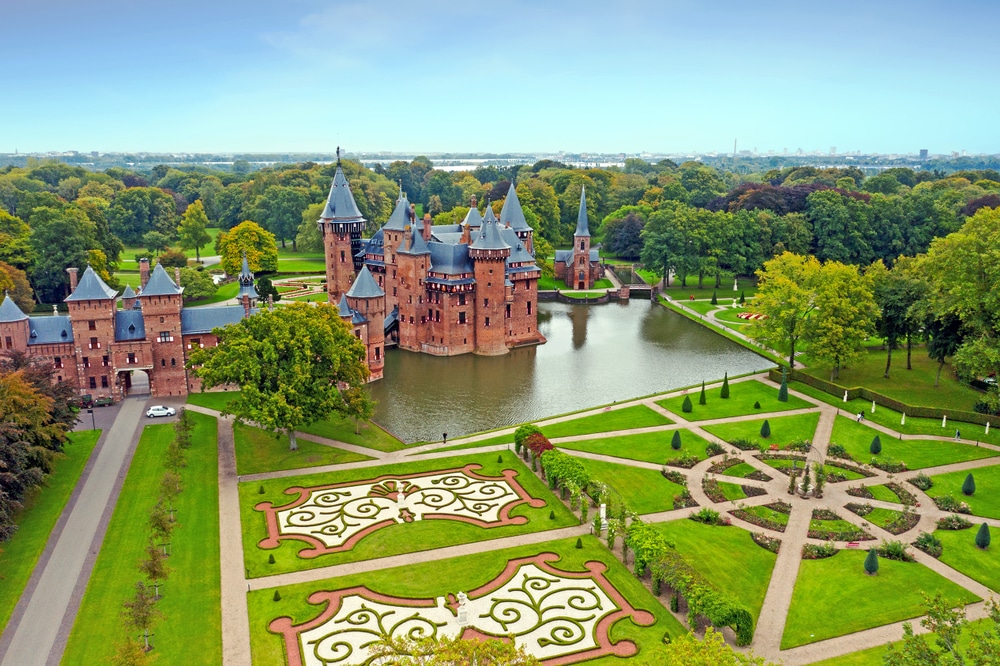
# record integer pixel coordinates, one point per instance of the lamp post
(93, 422)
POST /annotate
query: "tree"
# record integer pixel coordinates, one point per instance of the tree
(983, 536)
(688, 650)
(154, 567)
(15, 284)
(969, 485)
(701, 397)
(724, 393)
(172, 258)
(60, 239)
(447, 651)
(765, 429)
(287, 379)
(249, 237)
(130, 652)
(156, 242)
(946, 621)
(844, 316)
(139, 612)
(686, 406)
(944, 337)
(819, 474)
(139, 210)
(871, 562)
(266, 288)
(360, 405)
(198, 285)
(279, 210)
(876, 446)
(308, 238)
(675, 442)
(785, 298)
(783, 389)
(191, 230)
(15, 241)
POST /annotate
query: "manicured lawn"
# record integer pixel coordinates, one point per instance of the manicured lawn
(396, 539)
(224, 293)
(499, 439)
(727, 556)
(862, 601)
(636, 416)
(288, 253)
(742, 396)
(961, 553)
(260, 451)
(874, 656)
(883, 493)
(35, 521)
(216, 400)
(917, 454)
(986, 501)
(851, 475)
(784, 429)
(768, 513)
(297, 265)
(552, 283)
(740, 471)
(649, 447)
(321, 297)
(725, 290)
(464, 573)
(644, 490)
(732, 491)
(581, 295)
(191, 629)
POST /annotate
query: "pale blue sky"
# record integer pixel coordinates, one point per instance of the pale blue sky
(435, 75)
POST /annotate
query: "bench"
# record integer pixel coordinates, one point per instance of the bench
(853, 544)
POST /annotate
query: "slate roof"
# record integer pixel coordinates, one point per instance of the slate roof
(417, 244)
(340, 205)
(582, 228)
(512, 215)
(160, 284)
(365, 286)
(344, 308)
(204, 319)
(489, 216)
(567, 256)
(128, 293)
(129, 325)
(9, 311)
(91, 288)
(50, 330)
(489, 237)
(449, 259)
(401, 216)
(473, 218)
(246, 281)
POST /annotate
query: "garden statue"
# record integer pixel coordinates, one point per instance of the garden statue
(902, 421)
(845, 396)
(604, 516)
(463, 611)
(944, 420)
(873, 406)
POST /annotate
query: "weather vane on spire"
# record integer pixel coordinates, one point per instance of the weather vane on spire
(338, 155)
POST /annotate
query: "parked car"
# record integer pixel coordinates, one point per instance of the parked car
(160, 410)
(990, 381)
(103, 402)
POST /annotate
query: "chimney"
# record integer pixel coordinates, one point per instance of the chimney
(427, 227)
(177, 276)
(413, 212)
(143, 272)
(72, 278)
(246, 306)
(466, 236)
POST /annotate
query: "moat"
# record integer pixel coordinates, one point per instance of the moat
(594, 355)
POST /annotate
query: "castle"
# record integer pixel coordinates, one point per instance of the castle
(443, 290)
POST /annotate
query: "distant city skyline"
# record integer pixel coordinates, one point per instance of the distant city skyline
(677, 76)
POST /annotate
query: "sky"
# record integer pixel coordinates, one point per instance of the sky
(667, 76)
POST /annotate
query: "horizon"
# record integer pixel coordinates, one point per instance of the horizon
(648, 77)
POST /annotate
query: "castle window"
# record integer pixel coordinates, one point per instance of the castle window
(508, 311)
(92, 325)
(173, 362)
(93, 382)
(57, 362)
(9, 342)
(529, 307)
(437, 315)
(461, 299)
(131, 358)
(166, 337)
(430, 313)
(86, 362)
(161, 320)
(393, 291)
(104, 381)
(59, 379)
(486, 302)
(461, 317)
(342, 257)
(163, 362)
(105, 361)
(378, 353)
(94, 344)
(487, 322)
(581, 246)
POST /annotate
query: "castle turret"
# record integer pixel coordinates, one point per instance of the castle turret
(340, 225)
(247, 295)
(161, 314)
(512, 215)
(400, 221)
(578, 276)
(128, 298)
(367, 299)
(14, 326)
(489, 253)
(92, 307)
(413, 261)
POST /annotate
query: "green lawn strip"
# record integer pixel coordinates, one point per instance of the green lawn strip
(396, 539)
(874, 656)
(649, 447)
(500, 439)
(850, 474)
(780, 463)
(720, 328)
(311, 298)
(881, 492)
(742, 396)
(727, 556)
(784, 429)
(191, 629)
(732, 491)
(288, 253)
(38, 517)
(224, 293)
(724, 291)
(882, 517)
(862, 601)
(768, 514)
(443, 577)
(216, 400)
(644, 490)
(260, 451)
(986, 501)
(740, 470)
(636, 416)
(301, 265)
(836, 526)
(856, 438)
(701, 307)
(961, 553)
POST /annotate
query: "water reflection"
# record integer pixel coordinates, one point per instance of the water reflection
(595, 354)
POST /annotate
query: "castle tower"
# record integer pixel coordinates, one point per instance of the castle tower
(14, 326)
(400, 221)
(128, 298)
(413, 261)
(247, 295)
(489, 253)
(367, 299)
(161, 314)
(512, 215)
(340, 225)
(578, 275)
(92, 308)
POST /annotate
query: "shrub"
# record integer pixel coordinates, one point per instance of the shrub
(552, 514)
(675, 477)
(686, 406)
(930, 544)
(905, 496)
(675, 441)
(876, 446)
(860, 491)
(871, 562)
(745, 444)
(538, 444)
(260, 491)
(173, 259)
(983, 536)
(579, 542)
(783, 389)
(756, 404)
(766, 542)
(724, 393)
(701, 398)
(894, 550)
(687, 462)
(949, 503)
(765, 429)
(713, 449)
(522, 434)
(715, 298)
(707, 516)
(500, 458)
(270, 558)
(838, 451)
(683, 500)
(953, 522)
(561, 469)
(675, 603)
(799, 445)
(743, 298)
(969, 486)
(860, 509)
(922, 481)
(887, 464)
(811, 551)
(277, 596)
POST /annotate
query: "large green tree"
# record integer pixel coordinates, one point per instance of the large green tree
(294, 365)
(946, 622)
(249, 237)
(279, 210)
(139, 210)
(59, 239)
(191, 230)
(785, 296)
(844, 315)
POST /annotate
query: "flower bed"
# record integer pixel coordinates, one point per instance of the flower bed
(772, 516)
(835, 476)
(717, 492)
(812, 551)
(949, 503)
(889, 465)
(953, 522)
(859, 491)
(686, 462)
(895, 522)
(766, 542)
(829, 526)
(782, 463)
(745, 444)
(683, 500)
(724, 464)
(904, 495)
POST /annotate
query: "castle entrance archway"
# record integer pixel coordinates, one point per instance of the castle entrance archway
(134, 382)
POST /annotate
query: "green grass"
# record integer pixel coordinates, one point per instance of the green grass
(191, 629)
(224, 293)
(288, 253)
(851, 475)
(216, 400)
(35, 521)
(499, 439)
(768, 513)
(856, 438)
(961, 553)
(553, 283)
(726, 556)
(742, 396)
(881, 492)
(636, 416)
(582, 295)
(395, 539)
(725, 290)
(300, 265)
(784, 429)
(862, 601)
(311, 298)
(882, 517)
(644, 490)
(986, 501)
(260, 451)
(464, 573)
(739, 471)
(731, 491)
(649, 447)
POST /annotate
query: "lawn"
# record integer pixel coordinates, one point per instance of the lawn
(553, 283)
(742, 396)
(727, 556)
(35, 521)
(260, 451)
(986, 501)
(399, 538)
(883, 493)
(862, 601)
(648, 446)
(784, 429)
(961, 553)
(767, 513)
(491, 441)
(856, 438)
(463, 573)
(300, 265)
(225, 292)
(644, 490)
(731, 491)
(321, 297)
(740, 471)
(191, 629)
(725, 290)
(850, 474)
(636, 416)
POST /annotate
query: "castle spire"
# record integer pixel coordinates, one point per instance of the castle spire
(582, 228)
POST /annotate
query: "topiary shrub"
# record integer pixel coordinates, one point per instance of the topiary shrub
(922, 481)
(783, 389)
(983, 536)
(715, 298)
(871, 562)
(552, 515)
(969, 485)
(277, 595)
(260, 491)
(765, 429)
(687, 407)
(876, 446)
(500, 458)
(724, 393)
(270, 558)
(701, 398)
(743, 298)
(675, 441)
(579, 542)
(756, 405)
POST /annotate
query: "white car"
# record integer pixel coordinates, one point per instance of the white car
(160, 410)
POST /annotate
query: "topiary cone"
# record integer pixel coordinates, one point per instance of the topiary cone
(969, 485)
(724, 393)
(675, 442)
(783, 389)
(715, 298)
(701, 398)
(579, 542)
(871, 562)
(765, 429)
(983, 536)
(876, 446)
(687, 407)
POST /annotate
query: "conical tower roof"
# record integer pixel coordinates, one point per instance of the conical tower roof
(91, 288)
(129, 292)
(340, 205)
(9, 312)
(365, 286)
(512, 215)
(160, 284)
(473, 218)
(401, 215)
(582, 228)
(489, 237)
(246, 281)
(417, 244)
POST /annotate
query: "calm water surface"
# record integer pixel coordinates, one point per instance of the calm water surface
(595, 355)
